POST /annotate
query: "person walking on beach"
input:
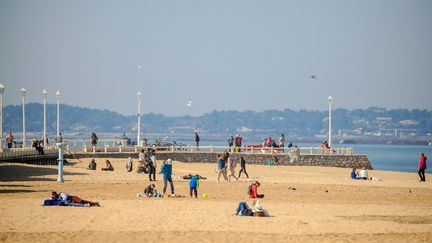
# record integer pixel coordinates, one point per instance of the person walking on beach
(221, 167)
(152, 165)
(166, 170)
(10, 140)
(422, 167)
(231, 163)
(243, 167)
(197, 139)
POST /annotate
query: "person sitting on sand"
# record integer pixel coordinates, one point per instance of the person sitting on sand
(354, 175)
(166, 170)
(129, 164)
(363, 174)
(92, 165)
(253, 190)
(65, 198)
(244, 210)
(150, 191)
(108, 166)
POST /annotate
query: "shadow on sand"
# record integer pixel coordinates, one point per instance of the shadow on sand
(22, 172)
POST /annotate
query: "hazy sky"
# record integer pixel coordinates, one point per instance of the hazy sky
(234, 55)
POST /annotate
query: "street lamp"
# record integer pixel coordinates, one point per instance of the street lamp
(44, 138)
(2, 88)
(139, 95)
(23, 93)
(58, 112)
(330, 100)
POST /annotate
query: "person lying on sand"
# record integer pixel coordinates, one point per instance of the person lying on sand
(66, 199)
(244, 210)
(189, 176)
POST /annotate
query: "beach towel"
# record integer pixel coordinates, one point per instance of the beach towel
(52, 202)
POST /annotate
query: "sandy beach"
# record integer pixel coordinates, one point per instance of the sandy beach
(326, 206)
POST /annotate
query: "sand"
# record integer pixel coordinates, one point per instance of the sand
(326, 206)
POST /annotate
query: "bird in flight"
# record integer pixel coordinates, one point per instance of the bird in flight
(314, 76)
(138, 66)
(189, 104)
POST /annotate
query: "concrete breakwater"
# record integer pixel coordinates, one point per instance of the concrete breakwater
(343, 161)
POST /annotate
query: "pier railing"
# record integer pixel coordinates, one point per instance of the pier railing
(294, 151)
(8, 153)
(215, 149)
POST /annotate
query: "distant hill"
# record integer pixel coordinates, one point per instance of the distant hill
(371, 121)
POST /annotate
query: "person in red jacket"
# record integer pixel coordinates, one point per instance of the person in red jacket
(422, 167)
(253, 190)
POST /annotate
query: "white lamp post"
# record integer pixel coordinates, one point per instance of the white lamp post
(330, 100)
(2, 88)
(139, 95)
(44, 138)
(58, 112)
(23, 94)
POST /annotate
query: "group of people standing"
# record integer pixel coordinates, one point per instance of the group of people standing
(236, 142)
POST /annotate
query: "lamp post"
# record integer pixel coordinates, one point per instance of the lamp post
(58, 112)
(23, 94)
(330, 100)
(44, 138)
(139, 95)
(2, 88)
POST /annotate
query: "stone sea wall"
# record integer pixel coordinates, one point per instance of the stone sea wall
(344, 161)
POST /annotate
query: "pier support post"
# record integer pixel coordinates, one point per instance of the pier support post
(60, 146)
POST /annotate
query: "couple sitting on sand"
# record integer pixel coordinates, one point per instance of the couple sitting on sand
(363, 175)
(244, 210)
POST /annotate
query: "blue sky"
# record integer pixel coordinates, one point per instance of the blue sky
(225, 55)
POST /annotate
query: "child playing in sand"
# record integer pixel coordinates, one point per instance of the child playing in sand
(193, 185)
(149, 191)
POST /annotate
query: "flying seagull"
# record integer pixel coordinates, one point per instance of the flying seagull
(314, 76)
(189, 104)
(138, 66)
